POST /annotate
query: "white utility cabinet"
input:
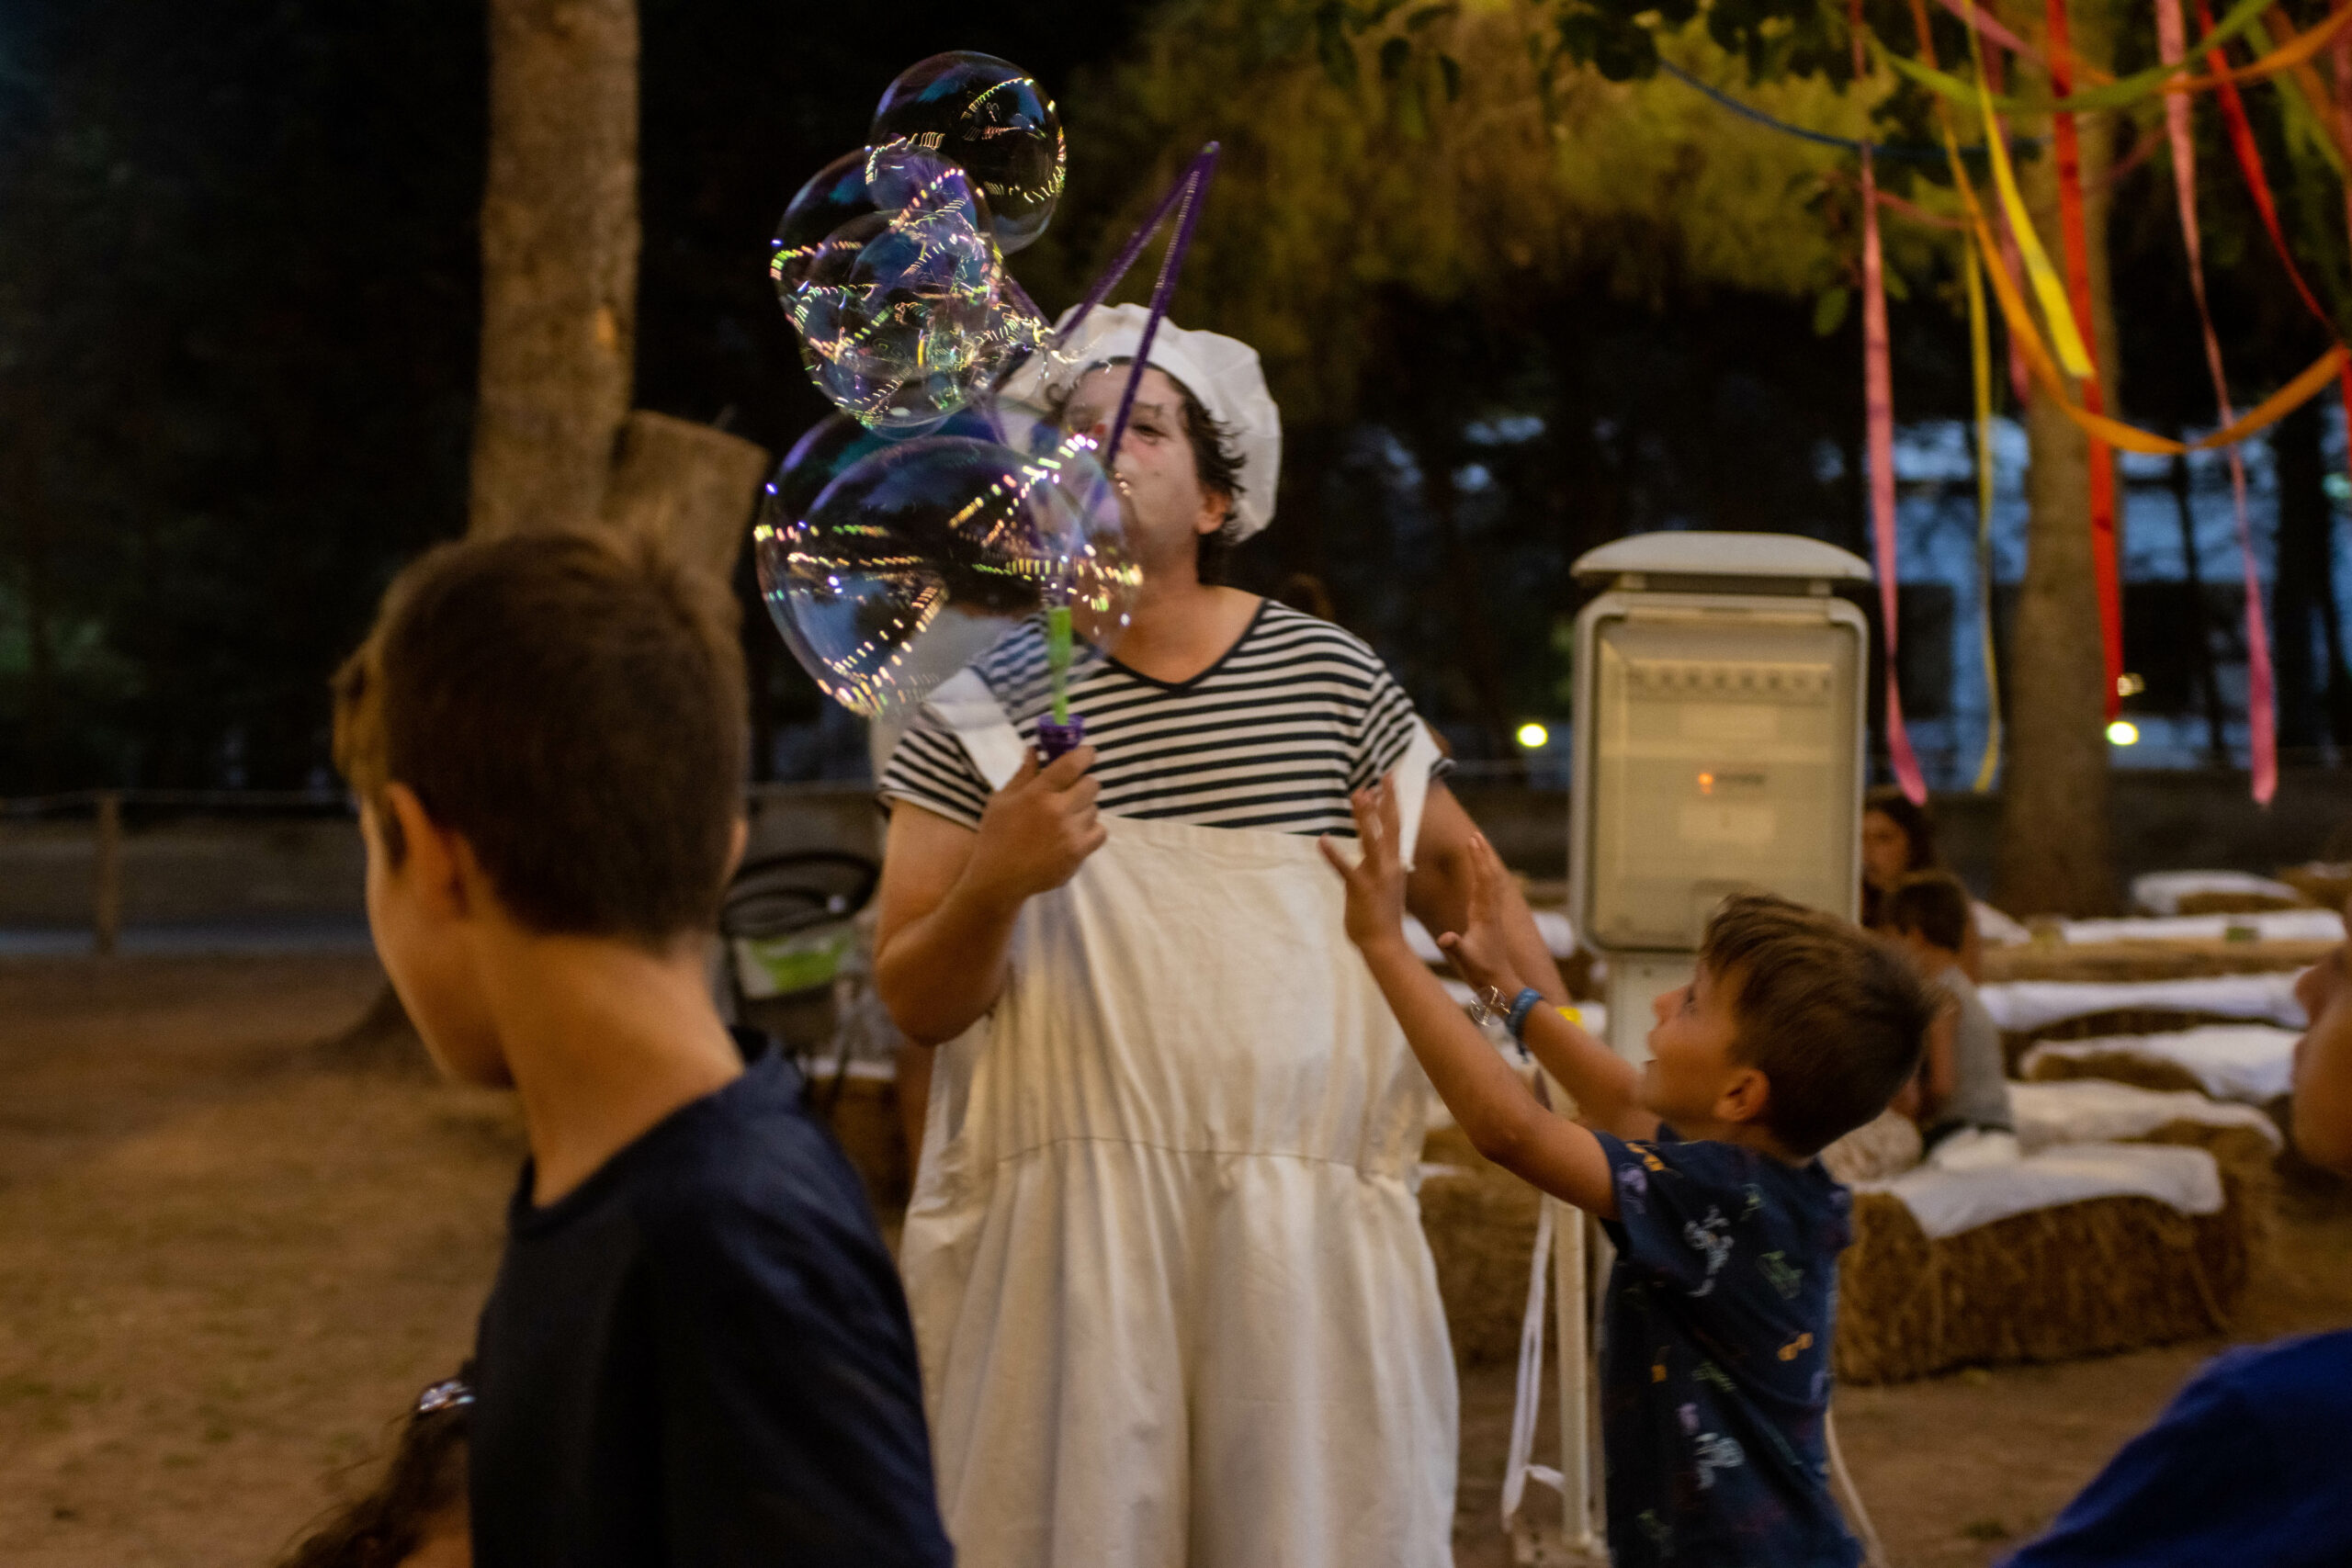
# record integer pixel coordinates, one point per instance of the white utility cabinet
(1720, 723)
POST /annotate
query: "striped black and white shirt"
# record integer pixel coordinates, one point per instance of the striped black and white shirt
(1273, 736)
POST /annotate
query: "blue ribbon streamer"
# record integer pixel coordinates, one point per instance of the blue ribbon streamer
(1914, 153)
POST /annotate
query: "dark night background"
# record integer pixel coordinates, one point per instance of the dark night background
(239, 305)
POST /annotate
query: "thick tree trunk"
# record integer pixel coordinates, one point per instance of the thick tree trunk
(558, 254)
(2054, 854)
(689, 484)
(555, 443)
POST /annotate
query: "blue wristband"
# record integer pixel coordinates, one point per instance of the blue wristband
(1521, 1006)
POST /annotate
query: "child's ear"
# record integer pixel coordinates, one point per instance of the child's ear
(439, 861)
(1745, 1097)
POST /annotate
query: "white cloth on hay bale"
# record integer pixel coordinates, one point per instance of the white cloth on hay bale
(2160, 892)
(2086, 1110)
(2030, 1004)
(2268, 925)
(1947, 1202)
(2252, 1063)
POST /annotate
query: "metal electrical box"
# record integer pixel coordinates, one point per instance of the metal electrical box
(1720, 722)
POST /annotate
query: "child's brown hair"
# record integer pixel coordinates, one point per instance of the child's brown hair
(1832, 1016)
(422, 1489)
(573, 705)
(1931, 904)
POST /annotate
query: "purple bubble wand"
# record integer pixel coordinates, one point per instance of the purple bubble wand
(1065, 731)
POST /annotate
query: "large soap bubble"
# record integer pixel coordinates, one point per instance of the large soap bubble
(834, 194)
(989, 116)
(917, 527)
(899, 315)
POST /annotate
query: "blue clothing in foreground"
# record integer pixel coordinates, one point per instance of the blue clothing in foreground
(2251, 1463)
(1714, 1358)
(701, 1356)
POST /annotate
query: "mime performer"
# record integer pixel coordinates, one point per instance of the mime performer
(1164, 1254)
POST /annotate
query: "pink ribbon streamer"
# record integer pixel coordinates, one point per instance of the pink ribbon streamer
(1878, 402)
(2262, 719)
(1992, 31)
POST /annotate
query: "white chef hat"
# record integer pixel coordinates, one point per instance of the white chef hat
(1222, 372)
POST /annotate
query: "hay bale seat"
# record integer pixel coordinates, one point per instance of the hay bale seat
(2183, 959)
(2083, 1279)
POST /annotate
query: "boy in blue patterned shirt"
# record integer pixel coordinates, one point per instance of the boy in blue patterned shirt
(1796, 1027)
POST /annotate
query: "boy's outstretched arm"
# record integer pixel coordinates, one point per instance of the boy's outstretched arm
(1503, 1119)
(1606, 1086)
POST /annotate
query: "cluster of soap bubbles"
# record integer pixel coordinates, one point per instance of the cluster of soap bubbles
(926, 494)
(890, 262)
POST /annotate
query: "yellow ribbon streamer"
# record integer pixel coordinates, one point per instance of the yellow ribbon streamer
(1980, 365)
(2047, 285)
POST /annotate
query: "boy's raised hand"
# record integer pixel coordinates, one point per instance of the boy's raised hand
(1038, 829)
(1376, 881)
(1478, 951)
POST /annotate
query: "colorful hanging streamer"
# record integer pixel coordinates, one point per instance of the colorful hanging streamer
(1878, 405)
(1980, 369)
(2119, 93)
(2261, 702)
(2106, 577)
(2047, 288)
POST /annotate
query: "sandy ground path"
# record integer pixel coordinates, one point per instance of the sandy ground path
(227, 1264)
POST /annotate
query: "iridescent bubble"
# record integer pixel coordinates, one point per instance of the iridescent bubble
(991, 118)
(917, 527)
(833, 196)
(897, 315)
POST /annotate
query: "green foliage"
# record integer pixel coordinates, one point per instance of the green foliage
(1453, 164)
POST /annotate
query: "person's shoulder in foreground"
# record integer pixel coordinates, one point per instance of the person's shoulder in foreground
(696, 1351)
(2251, 1461)
(701, 1355)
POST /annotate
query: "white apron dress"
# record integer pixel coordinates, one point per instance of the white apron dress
(1165, 1259)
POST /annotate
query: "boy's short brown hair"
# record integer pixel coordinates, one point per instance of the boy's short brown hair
(1934, 905)
(1832, 1015)
(574, 703)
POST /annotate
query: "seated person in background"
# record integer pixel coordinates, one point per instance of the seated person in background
(1796, 1027)
(2251, 1461)
(1963, 1101)
(1899, 841)
(416, 1515)
(696, 1351)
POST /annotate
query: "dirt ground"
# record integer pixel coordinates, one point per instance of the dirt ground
(227, 1262)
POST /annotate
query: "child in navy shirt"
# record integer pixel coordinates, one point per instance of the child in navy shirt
(2252, 1463)
(1796, 1027)
(696, 1351)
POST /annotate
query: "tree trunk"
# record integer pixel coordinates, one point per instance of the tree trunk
(555, 443)
(691, 485)
(2054, 854)
(559, 262)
